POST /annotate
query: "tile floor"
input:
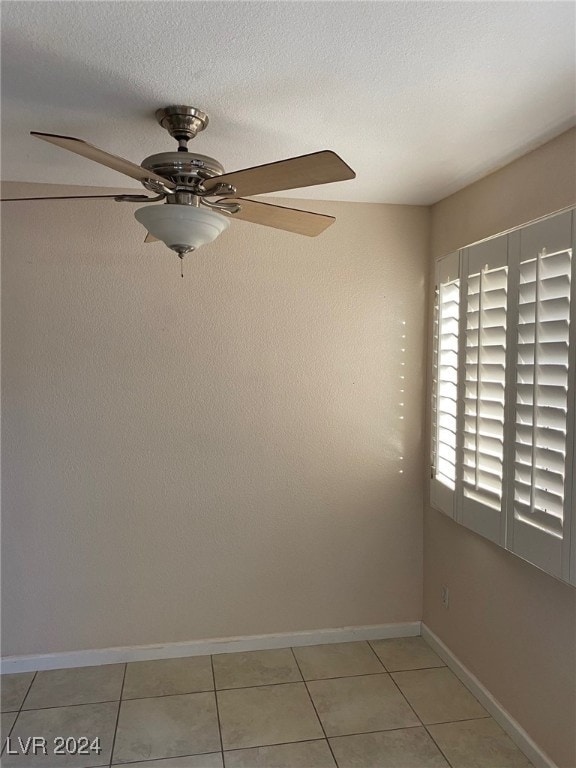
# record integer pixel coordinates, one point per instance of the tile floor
(379, 704)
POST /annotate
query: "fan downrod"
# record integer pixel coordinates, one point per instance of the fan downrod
(182, 123)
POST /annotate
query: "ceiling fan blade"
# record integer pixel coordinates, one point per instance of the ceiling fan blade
(73, 197)
(304, 171)
(99, 156)
(289, 219)
(150, 238)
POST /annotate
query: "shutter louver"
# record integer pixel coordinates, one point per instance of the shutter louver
(484, 385)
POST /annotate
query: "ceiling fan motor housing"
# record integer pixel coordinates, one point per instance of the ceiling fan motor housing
(186, 169)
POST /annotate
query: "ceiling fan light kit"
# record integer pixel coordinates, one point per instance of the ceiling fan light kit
(183, 228)
(198, 196)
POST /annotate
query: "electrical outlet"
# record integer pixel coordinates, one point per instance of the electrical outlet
(445, 596)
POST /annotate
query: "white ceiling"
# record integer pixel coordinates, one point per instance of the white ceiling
(420, 98)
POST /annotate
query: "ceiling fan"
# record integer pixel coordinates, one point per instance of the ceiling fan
(199, 196)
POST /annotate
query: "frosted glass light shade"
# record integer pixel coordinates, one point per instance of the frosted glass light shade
(182, 227)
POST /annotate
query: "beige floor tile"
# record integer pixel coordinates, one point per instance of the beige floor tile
(406, 653)
(168, 677)
(360, 704)
(82, 685)
(256, 717)
(406, 748)
(89, 720)
(437, 696)
(14, 688)
(304, 754)
(213, 760)
(239, 670)
(318, 662)
(478, 744)
(167, 726)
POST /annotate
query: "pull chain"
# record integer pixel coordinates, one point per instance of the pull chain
(182, 265)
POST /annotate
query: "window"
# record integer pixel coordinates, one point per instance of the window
(503, 417)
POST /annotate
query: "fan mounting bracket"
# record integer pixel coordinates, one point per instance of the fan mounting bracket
(182, 122)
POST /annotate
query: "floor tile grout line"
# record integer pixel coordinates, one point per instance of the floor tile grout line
(469, 720)
(416, 669)
(215, 689)
(301, 741)
(81, 704)
(303, 680)
(206, 690)
(423, 723)
(163, 695)
(409, 669)
(406, 700)
(118, 714)
(318, 738)
(18, 713)
(217, 708)
(375, 673)
(157, 759)
(378, 657)
(381, 730)
(28, 691)
(316, 711)
(459, 720)
(438, 745)
(443, 722)
(241, 687)
(339, 736)
(276, 744)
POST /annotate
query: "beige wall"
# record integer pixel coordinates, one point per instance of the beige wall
(511, 624)
(220, 455)
(217, 455)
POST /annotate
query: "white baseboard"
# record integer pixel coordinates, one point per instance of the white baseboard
(90, 658)
(502, 717)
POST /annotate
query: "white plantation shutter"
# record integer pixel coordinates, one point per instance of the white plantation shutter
(504, 392)
(445, 383)
(540, 499)
(483, 382)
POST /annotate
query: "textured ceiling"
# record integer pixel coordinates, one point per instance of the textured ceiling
(421, 98)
